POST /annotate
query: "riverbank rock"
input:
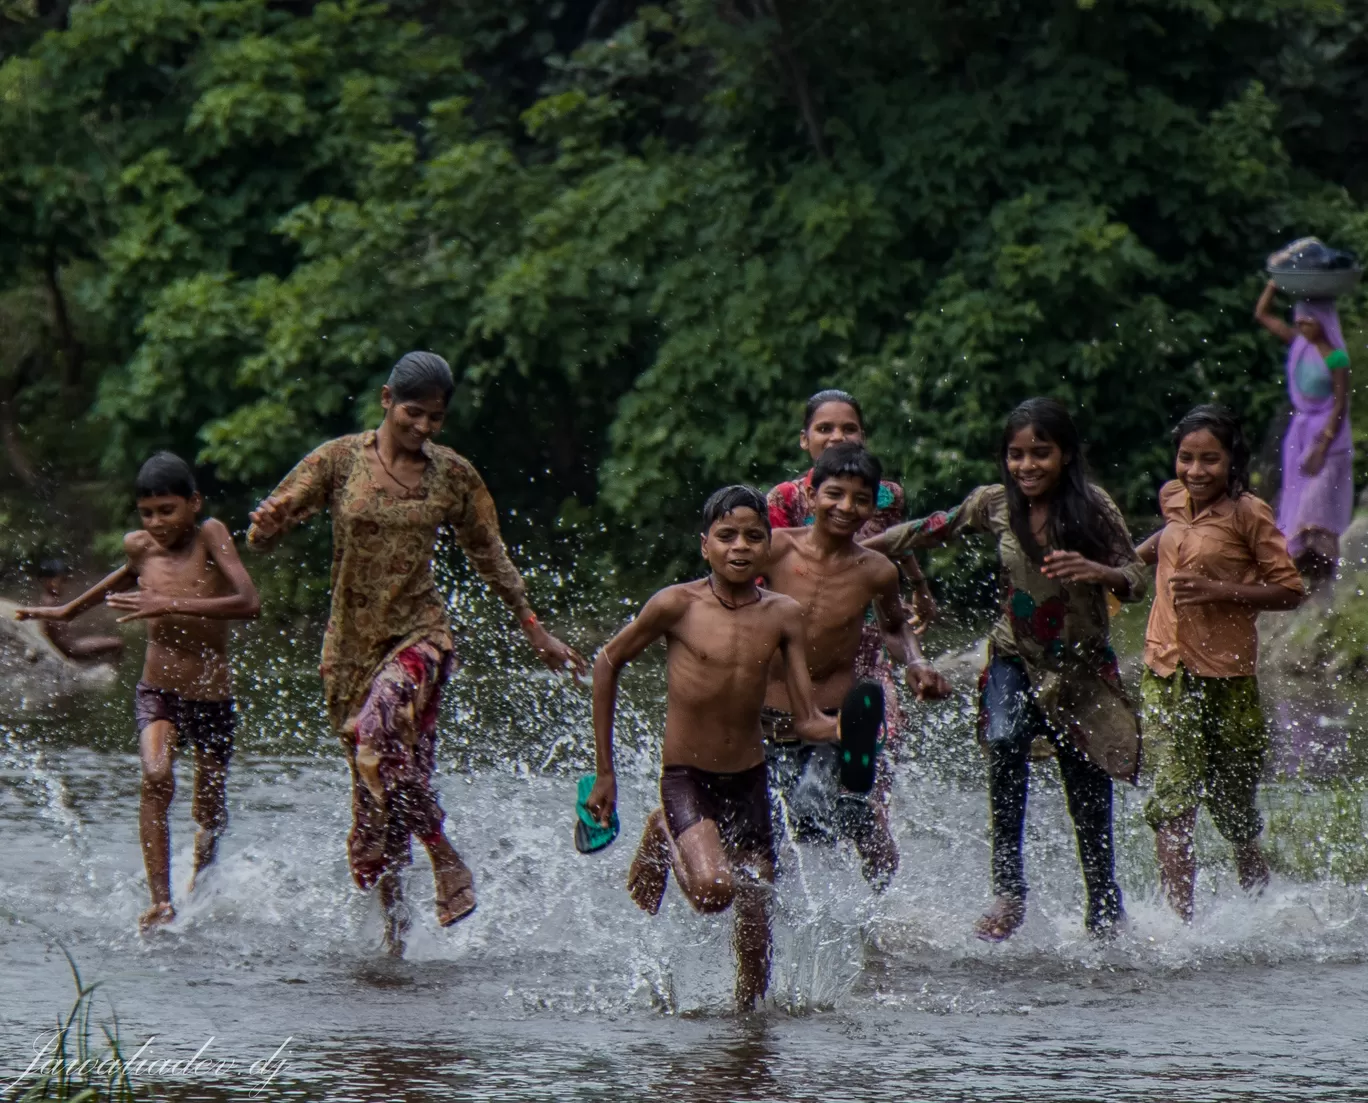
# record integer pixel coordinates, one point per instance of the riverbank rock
(32, 664)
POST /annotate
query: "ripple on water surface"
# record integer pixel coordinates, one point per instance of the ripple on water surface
(558, 988)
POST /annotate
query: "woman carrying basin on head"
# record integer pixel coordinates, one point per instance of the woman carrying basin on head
(1063, 546)
(388, 649)
(1318, 451)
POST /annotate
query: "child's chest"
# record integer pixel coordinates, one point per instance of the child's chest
(190, 573)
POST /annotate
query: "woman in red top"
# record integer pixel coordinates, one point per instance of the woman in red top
(832, 417)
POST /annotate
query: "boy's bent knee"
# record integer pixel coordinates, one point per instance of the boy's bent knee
(710, 890)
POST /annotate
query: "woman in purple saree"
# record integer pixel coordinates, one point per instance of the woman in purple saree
(1318, 451)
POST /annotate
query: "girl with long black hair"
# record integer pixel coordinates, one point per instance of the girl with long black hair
(1063, 546)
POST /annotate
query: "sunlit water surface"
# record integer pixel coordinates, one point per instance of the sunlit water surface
(558, 988)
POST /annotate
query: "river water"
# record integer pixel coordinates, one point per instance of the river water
(557, 988)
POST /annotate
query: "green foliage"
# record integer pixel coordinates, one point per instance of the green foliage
(644, 233)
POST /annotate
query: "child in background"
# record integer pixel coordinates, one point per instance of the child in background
(53, 575)
(1221, 559)
(183, 577)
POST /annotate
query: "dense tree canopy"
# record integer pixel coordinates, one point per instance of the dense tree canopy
(642, 234)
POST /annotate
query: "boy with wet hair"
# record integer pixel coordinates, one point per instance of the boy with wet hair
(184, 577)
(835, 580)
(721, 634)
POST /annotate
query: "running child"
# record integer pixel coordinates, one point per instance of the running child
(721, 634)
(1063, 546)
(835, 580)
(1221, 560)
(184, 577)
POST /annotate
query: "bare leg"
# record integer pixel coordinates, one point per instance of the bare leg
(156, 744)
(210, 809)
(703, 868)
(874, 842)
(1173, 845)
(751, 934)
(453, 882)
(396, 914)
(650, 869)
(1252, 866)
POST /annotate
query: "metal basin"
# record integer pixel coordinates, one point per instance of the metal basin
(1329, 284)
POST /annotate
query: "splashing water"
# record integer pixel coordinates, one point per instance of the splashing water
(557, 987)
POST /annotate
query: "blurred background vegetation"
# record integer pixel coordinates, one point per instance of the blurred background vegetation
(643, 234)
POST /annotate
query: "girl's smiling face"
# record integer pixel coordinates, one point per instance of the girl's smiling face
(1203, 467)
(1035, 463)
(831, 423)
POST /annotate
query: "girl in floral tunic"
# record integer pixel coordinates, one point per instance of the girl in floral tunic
(1051, 671)
(387, 649)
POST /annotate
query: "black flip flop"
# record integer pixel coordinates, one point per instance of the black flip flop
(861, 723)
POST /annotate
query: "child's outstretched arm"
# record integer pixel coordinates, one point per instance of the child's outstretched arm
(121, 579)
(656, 618)
(808, 723)
(923, 678)
(242, 604)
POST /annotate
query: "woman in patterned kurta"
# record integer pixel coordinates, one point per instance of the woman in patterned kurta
(387, 649)
(1051, 670)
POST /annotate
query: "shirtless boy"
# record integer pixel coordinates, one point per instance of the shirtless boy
(721, 633)
(185, 579)
(834, 580)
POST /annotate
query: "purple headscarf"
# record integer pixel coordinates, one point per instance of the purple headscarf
(1322, 311)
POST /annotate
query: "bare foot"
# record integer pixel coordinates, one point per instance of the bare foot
(395, 911)
(455, 888)
(158, 915)
(1252, 867)
(1001, 920)
(650, 869)
(206, 850)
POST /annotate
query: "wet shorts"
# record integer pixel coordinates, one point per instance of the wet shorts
(205, 725)
(1209, 743)
(738, 803)
(805, 779)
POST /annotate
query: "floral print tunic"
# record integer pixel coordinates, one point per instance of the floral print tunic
(1059, 631)
(384, 596)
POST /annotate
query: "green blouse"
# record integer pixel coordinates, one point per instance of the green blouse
(1059, 631)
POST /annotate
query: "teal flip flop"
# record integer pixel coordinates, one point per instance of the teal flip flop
(590, 835)
(861, 723)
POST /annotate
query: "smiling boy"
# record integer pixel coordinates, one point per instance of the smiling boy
(835, 580)
(183, 577)
(722, 632)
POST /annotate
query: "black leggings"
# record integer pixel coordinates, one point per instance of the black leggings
(1012, 722)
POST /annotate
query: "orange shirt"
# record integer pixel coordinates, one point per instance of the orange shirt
(1229, 541)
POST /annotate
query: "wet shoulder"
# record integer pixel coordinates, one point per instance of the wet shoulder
(453, 469)
(1251, 511)
(137, 544)
(880, 569)
(1173, 500)
(986, 508)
